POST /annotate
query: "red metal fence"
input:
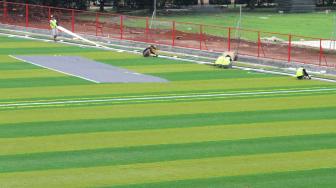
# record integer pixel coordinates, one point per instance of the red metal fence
(286, 47)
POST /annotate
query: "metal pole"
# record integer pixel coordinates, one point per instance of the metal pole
(97, 20)
(27, 15)
(229, 39)
(49, 13)
(321, 52)
(73, 20)
(121, 27)
(239, 23)
(201, 36)
(5, 10)
(332, 39)
(289, 47)
(259, 43)
(147, 29)
(173, 34)
(153, 15)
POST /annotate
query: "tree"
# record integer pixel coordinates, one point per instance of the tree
(251, 3)
(330, 2)
(101, 5)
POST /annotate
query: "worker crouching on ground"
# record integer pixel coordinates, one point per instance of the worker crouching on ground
(151, 51)
(224, 62)
(53, 26)
(301, 74)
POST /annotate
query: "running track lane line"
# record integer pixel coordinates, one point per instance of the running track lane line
(164, 97)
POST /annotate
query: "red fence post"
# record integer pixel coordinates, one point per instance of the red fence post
(289, 47)
(201, 36)
(121, 27)
(5, 10)
(49, 13)
(321, 52)
(173, 33)
(259, 43)
(229, 39)
(97, 21)
(147, 29)
(27, 15)
(73, 20)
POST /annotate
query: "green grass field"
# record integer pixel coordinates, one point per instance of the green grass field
(234, 128)
(317, 24)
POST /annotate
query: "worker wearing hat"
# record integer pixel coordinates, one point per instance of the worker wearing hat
(53, 25)
(301, 73)
(224, 61)
(150, 51)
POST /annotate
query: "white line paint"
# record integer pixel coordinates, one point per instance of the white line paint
(203, 96)
(150, 95)
(53, 69)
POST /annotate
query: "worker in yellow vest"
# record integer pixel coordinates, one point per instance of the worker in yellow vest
(53, 26)
(224, 62)
(301, 73)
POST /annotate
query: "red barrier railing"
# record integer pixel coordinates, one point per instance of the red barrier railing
(270, 45)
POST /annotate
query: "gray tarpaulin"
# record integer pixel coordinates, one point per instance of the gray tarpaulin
(88, 69)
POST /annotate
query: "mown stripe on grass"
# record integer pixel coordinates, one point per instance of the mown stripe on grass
(161, 109)
(165, 99)
(325, 178)
(156, 153)
(140, 61)
(173, 170)
(45, 50)
(162, 122)
(38, 82)
(17, 66)
(11, 146)
(210, 75)
(169, 68)
(29, 44)
(7, 59)
(40, 73)
(217, 94)
(131, 94)
(186, 86)
(11, 39)
(102, 55)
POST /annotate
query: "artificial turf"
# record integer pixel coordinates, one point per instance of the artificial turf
(257, 140)
(317, 24)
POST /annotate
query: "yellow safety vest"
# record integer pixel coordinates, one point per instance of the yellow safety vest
(299, 72)
(221, 60)
(53, 24)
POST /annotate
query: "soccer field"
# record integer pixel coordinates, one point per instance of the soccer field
(317, 24)
(206, 127)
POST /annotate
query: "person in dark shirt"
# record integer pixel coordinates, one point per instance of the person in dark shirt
(150, 51)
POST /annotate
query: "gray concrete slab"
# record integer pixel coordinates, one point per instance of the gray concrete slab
(88, 69)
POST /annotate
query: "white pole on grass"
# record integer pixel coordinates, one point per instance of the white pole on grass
(333, 36)
(238, 30)
(153, 15)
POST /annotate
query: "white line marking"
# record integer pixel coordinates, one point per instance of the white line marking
(165, 97)
(150, 95)
(53, 69)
